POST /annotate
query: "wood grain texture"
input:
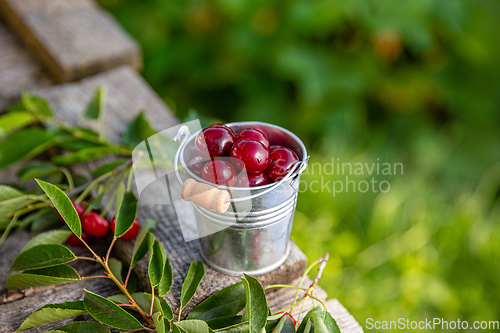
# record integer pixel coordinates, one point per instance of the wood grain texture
(18, 69)
(72, 38)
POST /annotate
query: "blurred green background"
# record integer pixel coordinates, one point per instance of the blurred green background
(413, 82)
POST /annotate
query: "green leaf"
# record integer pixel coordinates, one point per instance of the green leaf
(24, 144)
(77, 144)
(285, 325)
(142, 299)
(141, 244)
(126, 214)
(63, 205)
(159, 322)
(156, 263)
(49, 237)
(12, 121)
(309, 317)
(218, 323)
(8, 192)
(227, 302)
(256, 308)
(319, 324)
(41, 256)
(108, 313)
(83, 155)
(53, 312)
(194, 326)
(116, 267)
(161, 305)
(82, 327)
(108, 167)
(137, 131)
(97, 104)
(307, 326)
(37, 105)
(330, 323)
(166, 279)
(193, 279)
(36, 169)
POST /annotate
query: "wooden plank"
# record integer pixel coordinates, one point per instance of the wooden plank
(18, 69)
(72, 38)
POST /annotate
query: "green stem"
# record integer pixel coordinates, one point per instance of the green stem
(300, 313)
(130, 177)
(109, 249)
(17, 215)
(316, 262)
(290, 307)
(25, 197)
(152, 301)
(283, 286)
(317, 299)
(94, 277)
(92, 185)
(71, 183)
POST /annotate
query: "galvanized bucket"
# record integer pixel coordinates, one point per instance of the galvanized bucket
(256, 235)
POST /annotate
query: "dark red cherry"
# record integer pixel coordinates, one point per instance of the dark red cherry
(196, 165)
(223, 126)
(219, 172)
(75, 241)
(281, 160)
(250, 154)
(95, 225)
(214, 142)
(252, 179)
(131, 233)
(253, 134)
(79, 209)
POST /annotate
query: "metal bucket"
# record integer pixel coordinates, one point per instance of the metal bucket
(257, 239)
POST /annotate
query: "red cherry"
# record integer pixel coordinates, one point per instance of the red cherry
(196, 165)
(252, 179)
(214, 141)
(131, 233)
(253, 134)
(219, 172)
(281, 160)
(75, 241)
(250, 154)
(79, 209)
(223, 126)
(95, 225)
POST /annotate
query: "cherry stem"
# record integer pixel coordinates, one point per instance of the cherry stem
(125, 305)
(128, 275)
(283, 286)
(94, 277)
(152, 300)
(109, 249)
(290, 307)
(86, 258)
(69, 177)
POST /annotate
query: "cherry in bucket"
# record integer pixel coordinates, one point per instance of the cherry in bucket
(219, 172)
(214, 141)
(253, 134)
(281, 160)
(250, 154)
(252, 179)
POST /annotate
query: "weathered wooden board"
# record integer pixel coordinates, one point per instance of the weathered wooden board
(18, 69)
(72, 38)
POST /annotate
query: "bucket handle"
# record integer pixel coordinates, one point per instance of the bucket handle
(182, 136)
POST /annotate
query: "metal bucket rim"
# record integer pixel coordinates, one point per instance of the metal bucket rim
(234, 188)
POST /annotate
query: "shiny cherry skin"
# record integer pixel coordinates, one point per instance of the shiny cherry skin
(214, 142)
(219, 172)
(131, 233)
(75, 241)
(223, 126)
(250, 154)
(253, 134)
(79, 209)
(281, 160)
(95, 225)
(252, 179)
(196, 165)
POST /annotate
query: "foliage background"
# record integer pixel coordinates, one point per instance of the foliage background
(413, 82)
